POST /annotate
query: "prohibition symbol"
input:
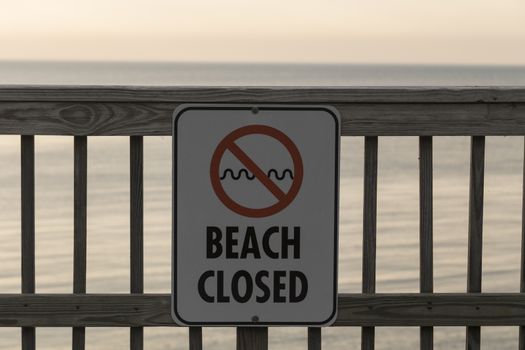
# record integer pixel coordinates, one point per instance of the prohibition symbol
(283, 199)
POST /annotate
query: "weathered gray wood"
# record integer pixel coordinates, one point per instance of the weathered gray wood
(85, 310)
(426, 274)
(79, 338)
(80, 214)
(28, 338)
(369, 230)
(195, 338)
(369, 310)
(475, 229)
(92, 118)
(286, 94)
(477, 309)
(473, 340)
(522, 267)
(426, 338)
(314, 338)
(136, 230)
(28, 227)
(80, 230)
(28, 213)
(252, 338)
(357, 119)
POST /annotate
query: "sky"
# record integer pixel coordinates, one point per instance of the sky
(304, 31)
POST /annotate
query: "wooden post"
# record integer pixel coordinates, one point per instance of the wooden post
(369, 231)
(475, 229)
(195, 337)
(522, 268)
(426, 275)
(80, 230)
(28, 228)
(136, 231)
(252, 338)
(314, 338)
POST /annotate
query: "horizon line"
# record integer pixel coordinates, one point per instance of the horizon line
(248, 63)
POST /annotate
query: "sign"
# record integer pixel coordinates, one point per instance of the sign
(255, 215)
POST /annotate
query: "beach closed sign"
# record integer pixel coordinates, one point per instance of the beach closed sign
(255, 215)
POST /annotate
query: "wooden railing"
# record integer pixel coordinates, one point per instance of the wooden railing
(371, 112)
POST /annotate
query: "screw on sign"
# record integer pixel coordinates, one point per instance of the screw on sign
(282, 198)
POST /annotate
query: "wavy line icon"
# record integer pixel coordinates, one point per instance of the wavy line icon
(250, 176)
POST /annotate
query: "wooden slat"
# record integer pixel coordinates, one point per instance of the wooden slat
(522, 267)
(475, 229)
(369, 310)
(314, 338)
(357, 119)
(426, 275)
(136, 230)
(398, 310)
(195, 338)
(286, 94)
(79, 338)
(252, 338)
(369, 230)
(28, 228)
(80, 230)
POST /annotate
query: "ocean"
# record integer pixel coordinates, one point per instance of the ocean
(397, 227)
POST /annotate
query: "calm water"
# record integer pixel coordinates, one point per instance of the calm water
(397, 264)
(256, 74)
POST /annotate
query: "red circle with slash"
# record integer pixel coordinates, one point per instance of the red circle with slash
(283, 198)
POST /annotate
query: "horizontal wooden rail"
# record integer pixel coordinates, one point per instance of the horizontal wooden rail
(368, 119)
(147, 111)
(134, 310)
(246, 94)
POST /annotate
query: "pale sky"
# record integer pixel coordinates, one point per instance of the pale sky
(338, 31)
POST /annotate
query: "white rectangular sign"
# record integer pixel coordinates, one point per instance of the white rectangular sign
(255, 215)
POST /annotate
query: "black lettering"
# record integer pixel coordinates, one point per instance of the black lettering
(231, 242)
(250, 245)
(213, 242)
(266, 242)
(221, 298)
(295, 242)
(294, 297)
(235, 286)
(202, 286)
(262, 286)
(278, 286)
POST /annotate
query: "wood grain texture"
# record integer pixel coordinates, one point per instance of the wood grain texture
(285, 94)
(368, 310)
(475, 229)
(195, 338)
(478, 309)
(80, 230)
(357, 119)
(522, 267)
(392, 310)
(252, 338)
(79, 338)
(426, 274)
(369, 230)
(28, 213)
(370, 214)
(28, 338)
(80, 214)
(27, 154)
(314, 338)
(136, 230)
(426, 279)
